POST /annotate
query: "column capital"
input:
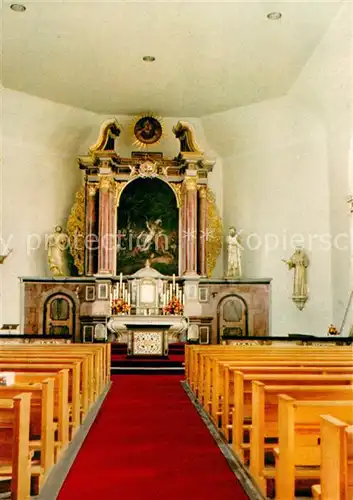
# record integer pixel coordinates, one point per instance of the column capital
(106, 182)
(92, 188)
(190, 183)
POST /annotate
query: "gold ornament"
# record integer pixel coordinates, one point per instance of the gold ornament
(120, 186)
(214, 232)
(109, 131)
(176, 187)
(76, 230)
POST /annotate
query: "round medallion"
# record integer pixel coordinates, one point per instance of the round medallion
(148, 130)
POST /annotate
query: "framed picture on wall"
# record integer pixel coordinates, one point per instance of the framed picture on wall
(204, 334)
(88, 333)
(90, 293)
(203, 294)
(103, 291)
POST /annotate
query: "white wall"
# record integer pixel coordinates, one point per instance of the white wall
(325, 87)
(39, 179)
(40, 143)
(285, 169)
(273, 154)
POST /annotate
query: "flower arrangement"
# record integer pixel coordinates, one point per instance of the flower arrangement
(332, 330)
(174, 306)
(120, 306)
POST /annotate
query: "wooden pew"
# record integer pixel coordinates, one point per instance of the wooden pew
(232, 392)
(14, 444)
(336, 466)
(212, 367)
(208, 359)
(197, 356)
(86, 376)
(56, 380)
(215, 378)
(219, 385)
(42, 426)
(298, 453)
(99, 352)
(264, 423)
(242, 410)
(75, 400)
(61, 402)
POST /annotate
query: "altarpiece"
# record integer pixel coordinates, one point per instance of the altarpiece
(145, 234)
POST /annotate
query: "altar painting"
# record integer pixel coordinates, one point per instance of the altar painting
(148, 220)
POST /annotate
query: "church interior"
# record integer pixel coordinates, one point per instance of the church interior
(176, 257)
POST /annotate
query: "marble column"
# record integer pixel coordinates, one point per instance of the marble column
(112, 230)
(91, 240)
(104, 226)
(190, 241)
(202, 236)
(182, 233)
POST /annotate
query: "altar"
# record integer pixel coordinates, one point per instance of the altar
(148, 335)
(141, 307)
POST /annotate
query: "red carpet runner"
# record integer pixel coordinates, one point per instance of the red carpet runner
(148, 443)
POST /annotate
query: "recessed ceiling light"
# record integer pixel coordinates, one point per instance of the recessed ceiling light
(17, 7)
(274, 16)
(149, 58)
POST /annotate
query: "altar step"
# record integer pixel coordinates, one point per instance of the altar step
(121, 363)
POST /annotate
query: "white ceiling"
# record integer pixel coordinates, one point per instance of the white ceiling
(209, 56)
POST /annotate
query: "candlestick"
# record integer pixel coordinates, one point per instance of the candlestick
(173, 283)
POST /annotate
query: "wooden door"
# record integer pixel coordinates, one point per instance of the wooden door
(232, 317)
(59, 315)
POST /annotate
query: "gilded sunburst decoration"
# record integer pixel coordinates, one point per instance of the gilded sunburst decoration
(147, 129)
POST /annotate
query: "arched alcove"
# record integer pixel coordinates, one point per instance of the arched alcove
(147, 227)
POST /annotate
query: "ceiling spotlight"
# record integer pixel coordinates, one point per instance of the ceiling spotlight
(274, 16)
(17, 7)
(149, 58)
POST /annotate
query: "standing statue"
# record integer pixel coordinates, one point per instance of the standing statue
(234, 257)
(299, 262)
(57, 252)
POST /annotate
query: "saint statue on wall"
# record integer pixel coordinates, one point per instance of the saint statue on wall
(299, 262)
(234, 269)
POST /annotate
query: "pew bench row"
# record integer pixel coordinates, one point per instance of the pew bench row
(268, 402)
(52, 391)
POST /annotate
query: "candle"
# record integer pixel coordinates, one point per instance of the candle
(121, 280)
(173, 282)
